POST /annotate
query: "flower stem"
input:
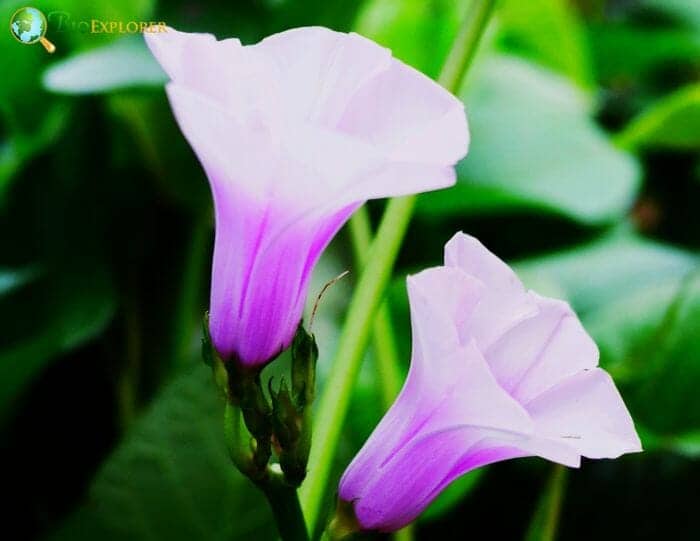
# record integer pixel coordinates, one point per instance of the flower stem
(465, 45)
(282, 497)
(383, 337)
(546, 518)
(334, 402)
(286, 509)
(404, 534)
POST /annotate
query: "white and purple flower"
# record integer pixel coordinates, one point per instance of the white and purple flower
(497, 372)
(294, 134)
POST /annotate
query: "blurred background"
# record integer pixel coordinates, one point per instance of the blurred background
(584, 171)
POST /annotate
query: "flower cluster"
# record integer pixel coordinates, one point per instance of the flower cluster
(294, 134)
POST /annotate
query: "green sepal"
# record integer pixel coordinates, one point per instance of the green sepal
(208, 352)
(304, 357)
(292, 411)
(344, 524)
(212, 359)
(285, 417)
(241, 387)
(245, 392)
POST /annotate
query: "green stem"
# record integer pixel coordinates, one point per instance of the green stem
(383, 337)
(282, 498)
(388, 368)
(369, 292)
(237, 439)
(465, 45)
(546, 518)
(404, 534)
(246, 394)
(286, 509)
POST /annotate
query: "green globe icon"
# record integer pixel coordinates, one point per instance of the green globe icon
(28, 25)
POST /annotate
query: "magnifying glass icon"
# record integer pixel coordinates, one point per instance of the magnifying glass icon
(28, 26)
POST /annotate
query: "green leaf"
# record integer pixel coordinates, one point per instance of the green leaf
(453, 495)
(624, 52)
(535, 148)
(548, 31)
(626, 329)
(683, 11)
(171, 477)
(338, 15)
(21, 147)
(666, 400)
(610, 268)
(60, 312)
(419, 32)
(673, 122)
(162, 148)
(29, 121)
(126, 63)
(685, 444)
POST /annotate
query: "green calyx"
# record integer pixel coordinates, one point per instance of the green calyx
(279, 420)
(344, 525)
(292, 411)
(304, 357)
(242, 388)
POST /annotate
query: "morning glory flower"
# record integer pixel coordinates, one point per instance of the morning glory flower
(497, 372)
(294, 134)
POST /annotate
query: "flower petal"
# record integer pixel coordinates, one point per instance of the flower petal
(415, 475)
(260, 278)
(586, 412)
(239, 122)
(471, 398)
(277, 286)
(542, 350)
(174, 49)
(321, 70)
(359, 173)
(410, 117)
(348, 84)
(442, 299)
(243, 158)
(505, 302)
(241, 80)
